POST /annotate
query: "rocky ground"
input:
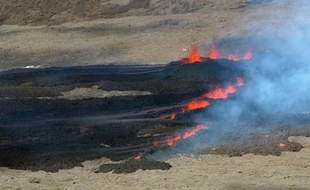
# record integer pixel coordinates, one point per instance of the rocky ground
(156, 38)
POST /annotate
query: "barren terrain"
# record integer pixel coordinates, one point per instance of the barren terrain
(146, 39)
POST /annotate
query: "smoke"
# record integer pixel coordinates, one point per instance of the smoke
(277, 78)
(278, 82)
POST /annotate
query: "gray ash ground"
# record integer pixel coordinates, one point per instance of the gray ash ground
(52, 134)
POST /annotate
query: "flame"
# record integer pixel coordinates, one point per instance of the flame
(214, 54)
(193, 56)
(240, 81)
(220, 93)
(172, 116)
(172, 140)
(196, 104)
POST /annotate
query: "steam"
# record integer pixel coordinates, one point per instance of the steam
(278, 82)
(277, 79)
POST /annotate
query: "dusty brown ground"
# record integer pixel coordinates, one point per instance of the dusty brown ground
(140, 39)
(151, 32)
(288, 171)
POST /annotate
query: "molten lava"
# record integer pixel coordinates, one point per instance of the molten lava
(194, 131)
(220, 93)
(137, 157)
(230, 89)
(172, 116)
(172, 140)
(215, 54)
(193, 56)
(217, 93)
(196, 104)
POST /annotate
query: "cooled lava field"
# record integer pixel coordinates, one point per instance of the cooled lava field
(56, 118)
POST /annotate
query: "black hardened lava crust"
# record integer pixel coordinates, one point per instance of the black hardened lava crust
(133, 165)
(39, 131)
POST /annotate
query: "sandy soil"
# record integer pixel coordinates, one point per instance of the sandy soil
(289, 171)
(80, 93)
(138, 36)
(143, 39)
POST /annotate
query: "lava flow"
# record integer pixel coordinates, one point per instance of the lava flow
(196, 104)
(193, 105)
(172, 116)
(174, 139)
(222, 93)
(214, 54)
(217, 93)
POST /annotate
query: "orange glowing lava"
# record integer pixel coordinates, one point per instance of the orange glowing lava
(220, 93)
(172, 140)
(193, 57)
(240, 81)
(194, 131)
(138, 157)
(215, 54)
(230, 89)
(172, 116)
(196, 104)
